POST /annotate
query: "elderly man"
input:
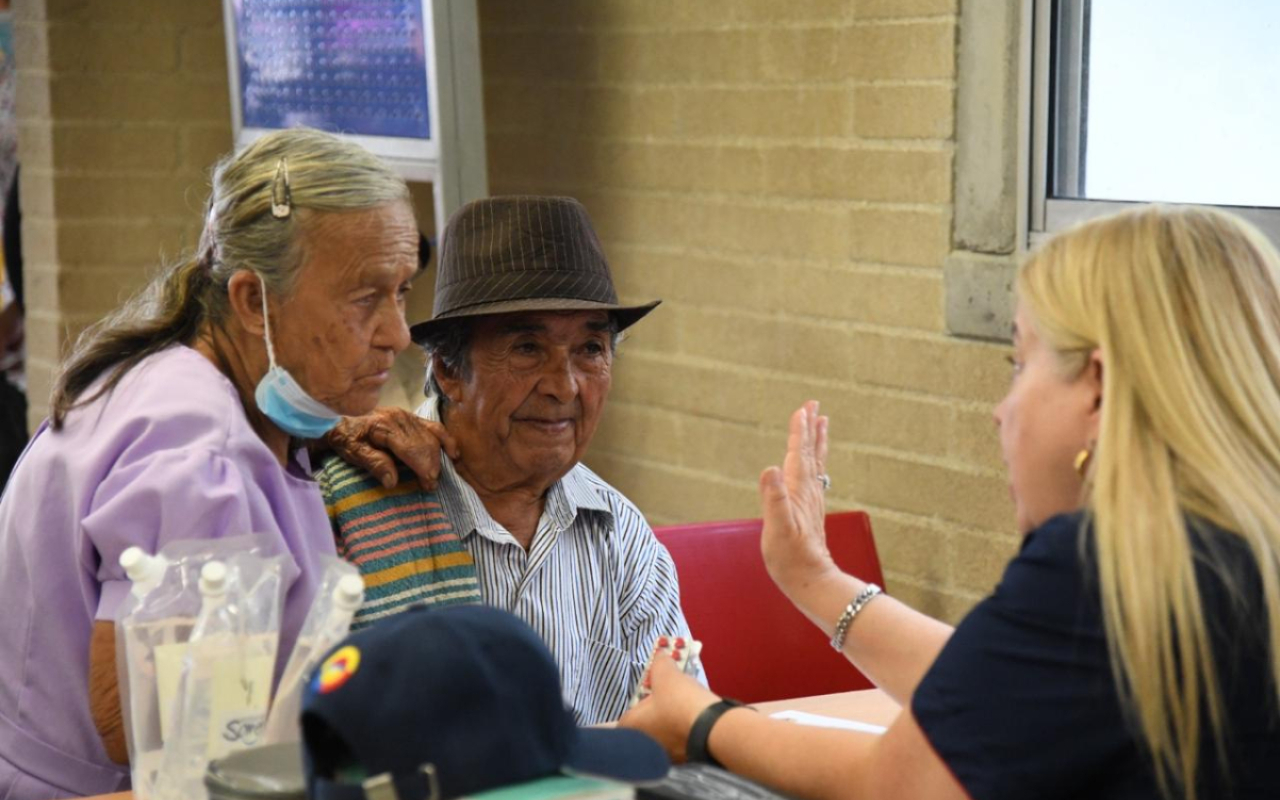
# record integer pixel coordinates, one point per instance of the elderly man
(521, 346)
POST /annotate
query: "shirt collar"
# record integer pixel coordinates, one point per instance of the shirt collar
(299, 464)
(566, 498)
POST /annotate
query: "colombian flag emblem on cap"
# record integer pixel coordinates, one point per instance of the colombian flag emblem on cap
(337, 669)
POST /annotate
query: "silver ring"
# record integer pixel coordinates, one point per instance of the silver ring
(825, 480)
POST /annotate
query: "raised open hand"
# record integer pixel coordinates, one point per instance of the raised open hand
(794, 541)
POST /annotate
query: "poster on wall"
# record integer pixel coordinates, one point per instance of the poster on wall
(358, 66)
(399, 77)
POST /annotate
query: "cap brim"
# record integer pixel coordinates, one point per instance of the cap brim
(620, 754)
(626, 315)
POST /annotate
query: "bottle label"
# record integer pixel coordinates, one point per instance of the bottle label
(241, 693)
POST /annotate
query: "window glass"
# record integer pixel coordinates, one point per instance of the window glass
(1181, 102)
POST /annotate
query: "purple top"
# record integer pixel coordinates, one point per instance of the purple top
(169, 454)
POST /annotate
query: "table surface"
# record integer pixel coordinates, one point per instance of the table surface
(870, 705)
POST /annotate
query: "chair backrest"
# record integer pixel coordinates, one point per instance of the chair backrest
(756, 645)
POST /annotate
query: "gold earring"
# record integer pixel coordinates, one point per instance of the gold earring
(1082, 461)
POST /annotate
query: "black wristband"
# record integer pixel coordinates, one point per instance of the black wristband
(695, 749)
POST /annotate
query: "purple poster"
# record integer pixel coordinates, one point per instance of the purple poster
(347, 66)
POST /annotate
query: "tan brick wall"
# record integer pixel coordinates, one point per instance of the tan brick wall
(781, 175)
(122, 107)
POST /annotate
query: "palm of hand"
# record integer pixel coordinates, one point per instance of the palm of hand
(794, 542)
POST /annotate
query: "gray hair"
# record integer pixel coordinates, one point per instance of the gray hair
(325, 174)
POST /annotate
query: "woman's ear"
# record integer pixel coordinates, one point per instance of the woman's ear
(244, 290)
(1093, 373)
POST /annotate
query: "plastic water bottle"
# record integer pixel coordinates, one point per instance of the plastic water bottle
(327, 623)
(139, 690)
(186, 750)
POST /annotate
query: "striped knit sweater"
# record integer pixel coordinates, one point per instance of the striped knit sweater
(399, 539)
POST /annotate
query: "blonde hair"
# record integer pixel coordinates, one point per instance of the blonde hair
(325, 174)
(1184, 306)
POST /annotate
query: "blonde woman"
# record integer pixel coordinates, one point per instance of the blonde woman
(1132, 648)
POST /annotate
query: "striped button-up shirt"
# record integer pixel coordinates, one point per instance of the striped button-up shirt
(595, 583)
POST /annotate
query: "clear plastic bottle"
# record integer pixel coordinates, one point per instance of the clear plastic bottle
(157, 619)
(186, 749)
(138, 693)
(225, 689)
(327, 623)
(136, 675)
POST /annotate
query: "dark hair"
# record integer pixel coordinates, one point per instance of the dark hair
(324, 173)
(450, 345)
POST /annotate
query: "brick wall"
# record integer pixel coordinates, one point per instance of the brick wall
(781, 175)
(122, 107)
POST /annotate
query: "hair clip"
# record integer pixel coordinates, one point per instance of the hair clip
(281, 194)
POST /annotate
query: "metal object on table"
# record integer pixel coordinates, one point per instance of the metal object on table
(272, 772)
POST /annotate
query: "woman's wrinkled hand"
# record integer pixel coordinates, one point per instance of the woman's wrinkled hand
(374, 441)
(669, 712)
(794, 541)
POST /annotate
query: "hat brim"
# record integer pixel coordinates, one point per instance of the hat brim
(620, 754)
(626, 315)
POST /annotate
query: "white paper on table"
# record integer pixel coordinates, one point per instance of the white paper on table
(819, 721)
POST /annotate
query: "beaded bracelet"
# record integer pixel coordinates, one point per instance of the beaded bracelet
(850, 611)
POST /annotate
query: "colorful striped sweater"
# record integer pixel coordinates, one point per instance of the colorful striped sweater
(399, 539)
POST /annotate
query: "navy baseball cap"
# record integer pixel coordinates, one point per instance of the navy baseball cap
(444, 702)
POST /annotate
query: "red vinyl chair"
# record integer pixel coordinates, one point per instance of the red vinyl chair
(756, 645)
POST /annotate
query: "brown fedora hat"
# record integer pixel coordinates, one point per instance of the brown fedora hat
(504, 254)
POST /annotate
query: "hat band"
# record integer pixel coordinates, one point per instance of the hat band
(532, 285)
(626, 316)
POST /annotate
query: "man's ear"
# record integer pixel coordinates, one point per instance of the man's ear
(1093, 372)
(449, 382)
(244, 291)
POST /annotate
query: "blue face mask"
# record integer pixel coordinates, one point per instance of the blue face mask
(284, 401)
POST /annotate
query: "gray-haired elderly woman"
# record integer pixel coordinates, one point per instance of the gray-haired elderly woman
(179, 417)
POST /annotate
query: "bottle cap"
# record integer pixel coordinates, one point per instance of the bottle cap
(133, 560)
(139, 566)
(213, 578)
(350, 591)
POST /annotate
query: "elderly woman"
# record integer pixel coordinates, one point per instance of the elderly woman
(1132, 648)
(180, 417)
